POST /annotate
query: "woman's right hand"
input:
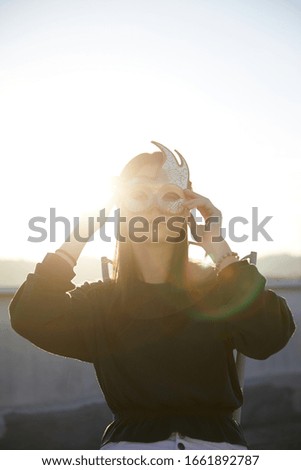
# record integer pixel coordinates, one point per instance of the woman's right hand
(88, 223)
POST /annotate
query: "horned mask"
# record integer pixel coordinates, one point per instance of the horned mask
(169, 198)
(177, 174)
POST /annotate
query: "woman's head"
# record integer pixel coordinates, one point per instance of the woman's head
(149, 196)
(155, 173)
(164, 163)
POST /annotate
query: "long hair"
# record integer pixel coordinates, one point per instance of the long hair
(182, 272)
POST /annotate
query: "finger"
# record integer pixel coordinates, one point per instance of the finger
(196, 229)
(191, 194)
(195, 203)
(200, 204)
(200, 200)
(190, 198)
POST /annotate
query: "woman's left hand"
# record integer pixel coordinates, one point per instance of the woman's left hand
(210, 232)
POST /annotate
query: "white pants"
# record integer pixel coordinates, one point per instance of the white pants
(175, 441)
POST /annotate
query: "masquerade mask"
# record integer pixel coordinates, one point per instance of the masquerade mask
(168, 197)
(139, 198)
(177, 174)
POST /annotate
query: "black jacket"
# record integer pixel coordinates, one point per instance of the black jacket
(163, 362)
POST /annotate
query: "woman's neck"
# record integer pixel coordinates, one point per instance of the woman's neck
(153, 261)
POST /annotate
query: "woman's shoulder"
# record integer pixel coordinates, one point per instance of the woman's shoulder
(199, 269)
(199, 275)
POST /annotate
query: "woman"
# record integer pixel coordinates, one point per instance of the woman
(161, 333)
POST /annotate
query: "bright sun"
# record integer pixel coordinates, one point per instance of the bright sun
(79, 98)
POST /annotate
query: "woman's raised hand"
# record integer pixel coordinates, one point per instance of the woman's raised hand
(210, 232)
(209, 235)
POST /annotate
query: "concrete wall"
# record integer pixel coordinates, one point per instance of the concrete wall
(32, 378)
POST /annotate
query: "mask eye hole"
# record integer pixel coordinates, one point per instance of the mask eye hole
(171, 197)
(137, 199)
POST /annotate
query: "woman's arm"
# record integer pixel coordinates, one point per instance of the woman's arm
(45, 313)
(42, 309)
(72, 248)
(256, 320)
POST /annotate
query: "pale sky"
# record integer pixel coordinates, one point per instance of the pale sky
(85, 85)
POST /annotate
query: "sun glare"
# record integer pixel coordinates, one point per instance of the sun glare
(78, 100)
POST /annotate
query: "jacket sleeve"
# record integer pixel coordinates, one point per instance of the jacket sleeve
(50, 312)
(256, 321)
